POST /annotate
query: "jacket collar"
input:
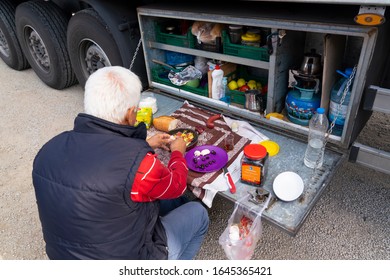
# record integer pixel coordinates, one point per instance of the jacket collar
(85, 123)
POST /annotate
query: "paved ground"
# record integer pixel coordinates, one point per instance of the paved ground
(350, 221)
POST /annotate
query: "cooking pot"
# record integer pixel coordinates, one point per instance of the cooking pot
(311, 64)
(254, 101)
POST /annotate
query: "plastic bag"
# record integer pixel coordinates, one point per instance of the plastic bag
(144, 115)
(188, 74)
(206, 32)
(240, 237)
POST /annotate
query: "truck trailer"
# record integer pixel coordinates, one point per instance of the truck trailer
(64, 42)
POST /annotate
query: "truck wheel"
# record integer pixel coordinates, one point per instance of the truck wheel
(10, 51)
(91, 45)
(41, 29)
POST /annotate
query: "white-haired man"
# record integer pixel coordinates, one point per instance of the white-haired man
(100, 189)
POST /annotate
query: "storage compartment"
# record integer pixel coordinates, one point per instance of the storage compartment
(336, 52)
(285, 42)
(307, 51)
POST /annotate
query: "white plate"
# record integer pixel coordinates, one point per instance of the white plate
(288, 186)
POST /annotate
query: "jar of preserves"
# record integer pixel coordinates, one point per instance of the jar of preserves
(250, 39)
(254, 165)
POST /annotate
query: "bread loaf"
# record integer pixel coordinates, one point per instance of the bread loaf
(217, 30)
(165, 123)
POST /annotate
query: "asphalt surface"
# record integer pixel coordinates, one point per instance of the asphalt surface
(350, 221)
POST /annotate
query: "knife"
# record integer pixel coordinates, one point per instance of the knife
(229, 180)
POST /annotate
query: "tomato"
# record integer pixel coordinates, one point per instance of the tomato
(244, 88)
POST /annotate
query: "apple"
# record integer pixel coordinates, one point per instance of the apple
(244, 88)
(252, 84)
(241, 82)
(232, 85)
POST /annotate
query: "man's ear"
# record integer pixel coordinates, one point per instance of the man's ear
(131, 115)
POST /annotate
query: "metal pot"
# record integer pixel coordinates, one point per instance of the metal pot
(311, 64)
(254, 101)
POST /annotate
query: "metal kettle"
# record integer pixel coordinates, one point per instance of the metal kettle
(311, 65)
(254, 101)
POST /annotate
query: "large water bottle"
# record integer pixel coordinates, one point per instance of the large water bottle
(318, 126)
(335, 109)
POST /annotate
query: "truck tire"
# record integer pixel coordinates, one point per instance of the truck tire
(10, 51)
(41, 30)
(91, 45)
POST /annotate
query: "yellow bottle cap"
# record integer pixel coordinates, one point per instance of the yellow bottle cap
(271, 146)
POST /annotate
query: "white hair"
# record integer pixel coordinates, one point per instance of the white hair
(110, 92)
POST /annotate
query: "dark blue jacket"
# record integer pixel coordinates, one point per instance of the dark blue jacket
(82, 180)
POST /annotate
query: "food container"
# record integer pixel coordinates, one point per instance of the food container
(148, 101)
(251, 39)
(189, 136)
(235, 33)
(254, 165)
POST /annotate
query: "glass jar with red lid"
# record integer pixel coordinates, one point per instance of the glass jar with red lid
(254, 165)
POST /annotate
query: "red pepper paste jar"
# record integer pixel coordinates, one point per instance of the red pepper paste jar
(254, 165)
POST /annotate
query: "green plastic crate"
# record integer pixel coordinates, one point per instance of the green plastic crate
(160, 75)
(257, 53)
(237, 96)
(186, 41)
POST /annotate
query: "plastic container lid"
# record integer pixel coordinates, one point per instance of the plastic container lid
(271, 146)
(255, 151)
(348, 71)
(235, 27)
(250, 37)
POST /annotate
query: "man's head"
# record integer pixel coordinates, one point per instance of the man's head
(110, 92)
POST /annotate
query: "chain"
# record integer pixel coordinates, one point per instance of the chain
(346, 89)
(135, 53)
(349, 82)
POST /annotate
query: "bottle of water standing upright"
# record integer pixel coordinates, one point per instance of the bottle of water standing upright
(223, 89)
(318, 127)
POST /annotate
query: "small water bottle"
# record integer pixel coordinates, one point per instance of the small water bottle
(318, 126)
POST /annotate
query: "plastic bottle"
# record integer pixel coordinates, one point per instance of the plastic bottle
(216, 87)
(318, 127)
(335, 99)
(225, 91)
(224, 88)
